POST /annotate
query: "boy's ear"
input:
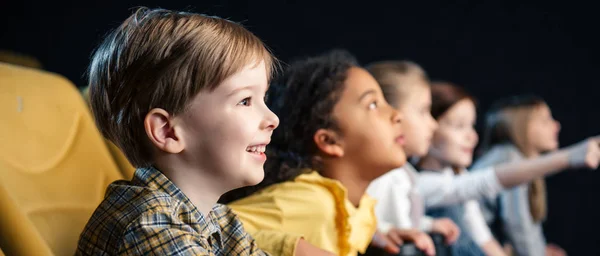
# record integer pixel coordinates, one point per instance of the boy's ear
(329, 142)
(163, 131)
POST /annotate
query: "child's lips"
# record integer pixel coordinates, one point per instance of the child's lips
(400, 140)
(263, 143)
(467, 150)
(258, 150)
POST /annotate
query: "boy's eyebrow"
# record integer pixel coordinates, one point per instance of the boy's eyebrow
(371, 91)
(247, 87)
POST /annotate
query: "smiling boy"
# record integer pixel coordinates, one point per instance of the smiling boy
(181, 94)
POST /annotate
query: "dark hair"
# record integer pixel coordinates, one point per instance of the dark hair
(496, 128)
(304, 102)
(391, 76)
(162, 59)
(444, 95)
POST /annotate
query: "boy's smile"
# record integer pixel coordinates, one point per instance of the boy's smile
(258, 151)
(229, 138)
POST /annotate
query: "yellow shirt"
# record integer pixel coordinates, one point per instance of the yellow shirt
(312, 206)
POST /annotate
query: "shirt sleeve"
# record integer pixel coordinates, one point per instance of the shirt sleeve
(526, 235)
(475, 223)
(276, 242)
(393, 204)
(276, 218)
(263, 220)
(444, 189)
(248, 243)
(160, 234)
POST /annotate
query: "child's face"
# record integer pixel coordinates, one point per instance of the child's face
(371, 133)
(542, 132)
(418, 125)
(454, 140)
(227, 130)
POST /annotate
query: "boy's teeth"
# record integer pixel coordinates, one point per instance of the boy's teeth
(256, 149)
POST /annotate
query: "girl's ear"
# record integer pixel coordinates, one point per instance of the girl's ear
(329, 142)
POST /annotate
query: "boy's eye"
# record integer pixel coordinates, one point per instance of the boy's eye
(245, 102)
(373, 105)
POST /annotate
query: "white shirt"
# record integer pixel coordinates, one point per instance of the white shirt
(445, 188)
(393, 205)
(437, 189)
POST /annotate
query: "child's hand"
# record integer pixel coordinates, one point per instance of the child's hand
(304, 248)
(388, 244)
(447, 228)
(421, 239)
(555, 250)
(585, 153)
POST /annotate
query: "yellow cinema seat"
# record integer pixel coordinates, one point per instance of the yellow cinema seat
(19, 59)
(54, 164)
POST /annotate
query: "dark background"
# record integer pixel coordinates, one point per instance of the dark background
(492, 49)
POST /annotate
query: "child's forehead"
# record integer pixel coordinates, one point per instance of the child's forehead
(359, 80)
(248, 77)
(414, 94)
(462, 110)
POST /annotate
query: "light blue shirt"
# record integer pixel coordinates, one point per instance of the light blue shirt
(525, 235)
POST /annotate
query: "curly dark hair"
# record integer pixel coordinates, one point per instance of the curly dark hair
(303, 99)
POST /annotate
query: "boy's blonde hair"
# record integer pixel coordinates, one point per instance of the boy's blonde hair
(394, 78)
(162, 59)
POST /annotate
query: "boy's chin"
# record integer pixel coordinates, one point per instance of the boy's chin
(253, 177)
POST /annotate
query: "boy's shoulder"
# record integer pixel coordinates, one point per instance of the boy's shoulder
(150, 215)
(146, 210)
(127, 212)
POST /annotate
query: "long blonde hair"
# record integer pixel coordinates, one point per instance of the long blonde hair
(508, 122)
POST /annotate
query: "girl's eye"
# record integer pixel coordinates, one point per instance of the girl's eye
(373, 105)
(245, 102)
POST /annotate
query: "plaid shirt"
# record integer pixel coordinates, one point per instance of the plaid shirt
(151, 216)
